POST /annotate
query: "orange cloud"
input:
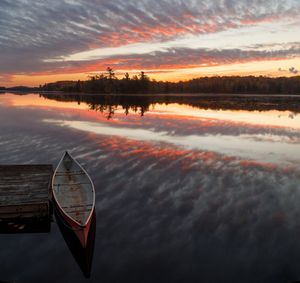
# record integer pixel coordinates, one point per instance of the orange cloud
(176, 59)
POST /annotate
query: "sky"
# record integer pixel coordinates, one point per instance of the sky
(46, 41)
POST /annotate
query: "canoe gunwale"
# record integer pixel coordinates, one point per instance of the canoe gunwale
(80, 226)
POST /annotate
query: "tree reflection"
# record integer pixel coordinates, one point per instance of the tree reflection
(109, 104)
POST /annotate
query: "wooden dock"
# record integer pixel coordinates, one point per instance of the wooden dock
(25, 197)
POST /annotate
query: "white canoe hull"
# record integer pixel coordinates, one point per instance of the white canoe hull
(74, 196)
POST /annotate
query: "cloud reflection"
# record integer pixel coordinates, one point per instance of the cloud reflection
(262, 149)
(164, 211)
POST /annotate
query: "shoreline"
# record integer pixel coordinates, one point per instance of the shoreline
(62, 93)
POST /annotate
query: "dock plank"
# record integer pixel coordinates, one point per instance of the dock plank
(25, 191)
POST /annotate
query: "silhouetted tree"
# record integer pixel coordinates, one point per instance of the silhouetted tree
(110, 73)
(110, 86)
(126, 76)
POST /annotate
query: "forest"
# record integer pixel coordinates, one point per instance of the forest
(108, 83)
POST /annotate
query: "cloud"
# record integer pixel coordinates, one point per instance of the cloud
(34, 31)
(187, 57)
(31, 23)
(293, 70)
(171, 58)
(174, 58)
(5, 78)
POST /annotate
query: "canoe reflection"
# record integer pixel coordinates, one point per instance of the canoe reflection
(83, 256)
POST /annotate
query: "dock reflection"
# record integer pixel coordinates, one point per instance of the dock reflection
(21, 226)
(83, 256)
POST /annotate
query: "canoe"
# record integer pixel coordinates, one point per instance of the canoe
(74, 196)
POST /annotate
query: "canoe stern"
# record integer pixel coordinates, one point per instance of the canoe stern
(83, 234)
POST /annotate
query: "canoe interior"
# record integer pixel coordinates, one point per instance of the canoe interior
(73, 190)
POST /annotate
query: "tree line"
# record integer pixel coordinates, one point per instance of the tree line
(108, 83)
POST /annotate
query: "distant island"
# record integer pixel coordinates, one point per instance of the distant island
(108, 83)
(19, 89)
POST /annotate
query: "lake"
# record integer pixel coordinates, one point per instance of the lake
(188, 189)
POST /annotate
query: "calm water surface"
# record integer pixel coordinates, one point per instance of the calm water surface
(184, 193)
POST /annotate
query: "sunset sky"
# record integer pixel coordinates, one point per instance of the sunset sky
(46, 41)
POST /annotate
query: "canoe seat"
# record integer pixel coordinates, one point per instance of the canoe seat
(70, 184)
(82, 205)
(63, 173)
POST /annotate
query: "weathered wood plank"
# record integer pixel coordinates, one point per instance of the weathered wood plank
(27, 210)
(25, 193)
